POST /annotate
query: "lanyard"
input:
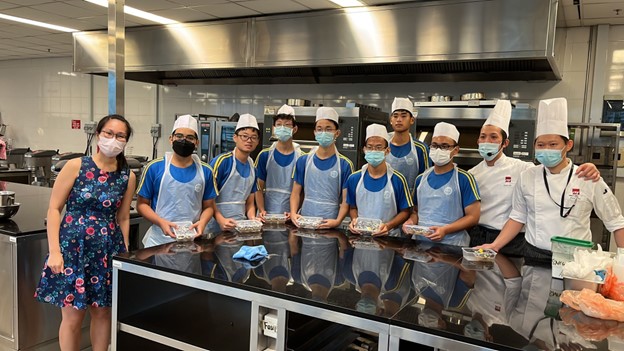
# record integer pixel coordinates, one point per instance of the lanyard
(561, 207)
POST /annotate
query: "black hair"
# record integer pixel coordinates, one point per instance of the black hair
(285, 116)
(245, 128)
(121, 158)
(504, 135)
(331, 120)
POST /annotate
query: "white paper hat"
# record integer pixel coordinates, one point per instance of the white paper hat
(286, 110)
(500, 116)
(402, 104)
(185, 121)
(326, 113)
(552, 117)
(377, 130)
(247, 121)
(446, 130)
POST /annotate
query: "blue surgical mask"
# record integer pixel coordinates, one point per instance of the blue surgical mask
(549, 157)
(324, 138)
(283, 133)
(489, 150)
(374, 158)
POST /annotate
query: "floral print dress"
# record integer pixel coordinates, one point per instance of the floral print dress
(89, 237)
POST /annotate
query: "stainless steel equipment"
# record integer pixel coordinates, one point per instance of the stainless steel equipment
(7, 198)
(39, 162)
(472, 96)
(440, 98)
(468, 117)
(353, 123)
(15, 157)
(298, 102)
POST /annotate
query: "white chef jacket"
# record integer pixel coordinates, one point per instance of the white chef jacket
(496, 184)
(541, 216)
(488, 295)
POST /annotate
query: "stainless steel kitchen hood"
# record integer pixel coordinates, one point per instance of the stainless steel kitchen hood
(419, 41)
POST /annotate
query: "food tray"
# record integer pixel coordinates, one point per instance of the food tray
(184, 232)
(275, 218)
(580, 284)
(365, 244)
(417, 255)
(417, 230)
(368, 225)
(310, 222)
(248, 226)
(472, 254)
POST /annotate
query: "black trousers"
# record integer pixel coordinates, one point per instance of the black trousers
(534, 256)
(480, 235)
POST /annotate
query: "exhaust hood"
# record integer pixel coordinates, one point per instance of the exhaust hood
(466, 40)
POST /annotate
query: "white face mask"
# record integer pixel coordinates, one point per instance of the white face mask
(110, 147)
(440, 157)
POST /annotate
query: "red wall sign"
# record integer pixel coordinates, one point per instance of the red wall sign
(75, 124)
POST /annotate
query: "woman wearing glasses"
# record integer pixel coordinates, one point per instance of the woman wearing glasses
(235, 177)
(446, 198)
(548, 200)
(176, 188)
(96, 193)
(322, 175)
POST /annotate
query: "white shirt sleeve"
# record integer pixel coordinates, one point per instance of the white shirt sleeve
(518, 204)
(607, 207)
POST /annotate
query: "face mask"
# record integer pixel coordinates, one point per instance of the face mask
(283, 133)
(375, 158)
(366, 305)
(183, 148)
(475, 330)
(324, 138)
(489, 150)
(110, 147)
(440, 157)
(548, 157)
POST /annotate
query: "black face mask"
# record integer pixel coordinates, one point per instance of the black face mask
(183, 148)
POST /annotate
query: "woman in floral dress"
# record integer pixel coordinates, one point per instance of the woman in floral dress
(77, 275)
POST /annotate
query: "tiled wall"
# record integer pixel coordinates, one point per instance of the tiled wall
(39, 98)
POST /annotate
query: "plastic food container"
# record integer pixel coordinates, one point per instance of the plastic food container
(477, 265)
(417, 230)
(580, 284)
(244, 236)
(563, 252)
(307, 233)
(366, 244)
(471, 254)
(248, 226)
(368, 225)
(417, 255)
(275, 218)
(310, 222)
(184, 232)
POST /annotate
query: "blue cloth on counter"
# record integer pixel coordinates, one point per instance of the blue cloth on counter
(251, 253)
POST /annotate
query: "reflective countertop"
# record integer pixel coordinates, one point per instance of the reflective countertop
(30, 218)
(407, 283)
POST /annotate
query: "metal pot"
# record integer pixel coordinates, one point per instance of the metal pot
(298, 102)
(8, 211)
(440, 98)
(7, 198)
(472, 96)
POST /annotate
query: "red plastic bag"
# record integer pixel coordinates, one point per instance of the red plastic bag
(612, 288)
(594, 304)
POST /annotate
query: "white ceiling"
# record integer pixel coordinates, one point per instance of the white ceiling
(19, 41)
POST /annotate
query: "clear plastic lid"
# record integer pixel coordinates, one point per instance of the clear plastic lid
(365, 244)
(183, 231)
(248, 226)
(368, 225)
(275, 218)
(472, 254)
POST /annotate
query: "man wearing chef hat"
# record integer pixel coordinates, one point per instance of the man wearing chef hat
(377, 191)
(235, 177)
(497, 174)
(548, 200)
(321, 175)
(177, 187)
(408, 156)
(275, 165)
(446, 198)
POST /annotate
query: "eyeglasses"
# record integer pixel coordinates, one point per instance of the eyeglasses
(188, 137)
(327, 130)
(375, 148)
(109, 135)
(442, 146)
(245, 137)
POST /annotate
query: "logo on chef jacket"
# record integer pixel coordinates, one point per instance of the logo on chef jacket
(333, 174)
(198, 188)
(576, 191)
(507, 180)
(448, 191)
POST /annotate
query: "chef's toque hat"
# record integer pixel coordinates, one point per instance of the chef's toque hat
(500, 116)
(402, 104)
(185, 121)
(377, 130)
(552, 117)
(326, 113)
(446, 130)
(247, 121)
(286, 110)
